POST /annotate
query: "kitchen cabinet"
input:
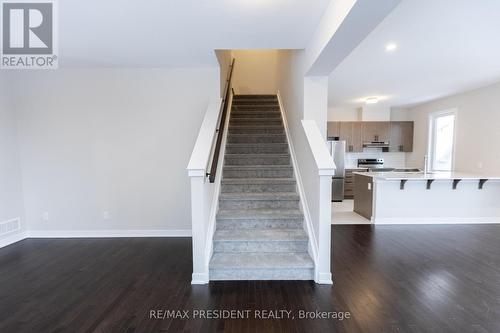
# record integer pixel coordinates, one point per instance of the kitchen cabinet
(401, 138)
(350, 132)
(375, 131)
(349, 182)
(333, 129)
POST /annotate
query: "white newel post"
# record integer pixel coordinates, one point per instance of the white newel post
(325, 168)
(200, 191)
(200, 271)
(325, 225)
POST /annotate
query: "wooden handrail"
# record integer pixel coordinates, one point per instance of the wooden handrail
(220, 129)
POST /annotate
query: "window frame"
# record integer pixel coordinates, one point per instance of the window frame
(433, 116)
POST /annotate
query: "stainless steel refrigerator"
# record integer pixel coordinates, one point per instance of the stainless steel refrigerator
(337, 149)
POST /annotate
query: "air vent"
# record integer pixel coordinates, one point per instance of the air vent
(10, 226)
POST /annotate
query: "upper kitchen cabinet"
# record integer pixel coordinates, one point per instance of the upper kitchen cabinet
(376, 131)
(350, 132)
(333, 129)
(401, 139)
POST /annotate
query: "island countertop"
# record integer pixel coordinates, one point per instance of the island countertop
(381, 176)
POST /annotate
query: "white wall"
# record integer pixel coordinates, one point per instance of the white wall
(343, 114)
(255, 71)
(291, 88)
(11, 201)
(224, 57)
(477, 129)
(116, 140)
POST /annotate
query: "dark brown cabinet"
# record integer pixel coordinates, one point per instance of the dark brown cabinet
(348, 131)
(349, 182)
(399, 134)
(375, 131)
(401, 139)
(333, 129)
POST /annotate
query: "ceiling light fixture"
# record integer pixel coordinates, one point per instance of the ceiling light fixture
(371, 100)
(391, 47)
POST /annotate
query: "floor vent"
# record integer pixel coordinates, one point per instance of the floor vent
(10, 226)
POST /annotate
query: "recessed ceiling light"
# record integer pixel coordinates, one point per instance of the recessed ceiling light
(371, 100)
(391, 47)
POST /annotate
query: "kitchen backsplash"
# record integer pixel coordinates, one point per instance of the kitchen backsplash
(391, 160)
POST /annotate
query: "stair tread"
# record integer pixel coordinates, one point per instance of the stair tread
(258, 181)
(257, 167)
(277, 196)
(259, 235)
(252, 260)
(259, 213)
(250, 144)
(256, 127)
(258, 155)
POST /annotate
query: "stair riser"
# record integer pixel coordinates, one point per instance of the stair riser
(238, 224)
(268, 103)
(260, 246)
(256, 139)
(250, 130)
(257, 160)
(261, 274)
(254, 122)
(281, 173)
(260, 115)
(271, 111)
(272, 149)
(253, 188)
(258, 204)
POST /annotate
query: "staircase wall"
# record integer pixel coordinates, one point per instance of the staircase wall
(255, 71)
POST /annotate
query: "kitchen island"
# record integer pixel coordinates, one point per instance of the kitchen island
(413, 198)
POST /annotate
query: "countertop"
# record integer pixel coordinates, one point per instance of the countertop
(429, 176)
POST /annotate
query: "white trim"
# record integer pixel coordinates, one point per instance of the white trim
(203, 146)
(108, 233)
(325, 278)
(313, 243)
(13, 238)
(199, 278)
(436, 220)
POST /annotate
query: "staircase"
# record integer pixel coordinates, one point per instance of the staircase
(259, 232)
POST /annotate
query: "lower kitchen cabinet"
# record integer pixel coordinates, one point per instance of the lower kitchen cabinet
(349, 182)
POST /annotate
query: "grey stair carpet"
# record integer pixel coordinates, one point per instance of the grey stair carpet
(260, 228)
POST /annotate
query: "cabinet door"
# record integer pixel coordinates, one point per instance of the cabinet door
(333, 129)
(407, 136)
(376, 131)
(396, 140)
(401, 139)
(357, 136)
(346, 135)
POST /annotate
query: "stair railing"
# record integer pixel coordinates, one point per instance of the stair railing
(220, 127)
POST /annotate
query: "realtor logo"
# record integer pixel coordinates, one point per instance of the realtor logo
(28, 35)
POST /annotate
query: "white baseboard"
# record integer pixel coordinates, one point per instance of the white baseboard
(107, 233)
(324, 278)
(11, 239)
(199, 278)
(442, 220)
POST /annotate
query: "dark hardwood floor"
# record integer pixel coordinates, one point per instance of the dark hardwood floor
(390, 279)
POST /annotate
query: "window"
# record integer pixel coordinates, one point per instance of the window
(442, 140)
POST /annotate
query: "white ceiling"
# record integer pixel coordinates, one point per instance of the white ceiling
(165, 33)
(444, 47)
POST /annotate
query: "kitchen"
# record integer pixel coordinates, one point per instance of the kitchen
(375, 183)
